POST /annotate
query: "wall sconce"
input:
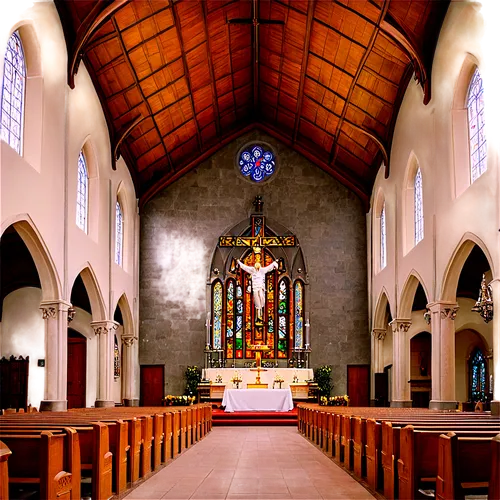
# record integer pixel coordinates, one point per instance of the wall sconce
(484, 304)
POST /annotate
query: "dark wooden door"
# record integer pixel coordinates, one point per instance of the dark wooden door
(358, 385)
(77, 370)
(152, 383)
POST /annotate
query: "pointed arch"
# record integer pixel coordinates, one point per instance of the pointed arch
(456, 264)
(94, 292)
(380, 316)
(49, 279)
(128, 321)
(408, 294)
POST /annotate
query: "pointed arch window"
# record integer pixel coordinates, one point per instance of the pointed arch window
(477, 136)
(299, 315)
(119, 234)
(383, 239)
(13, 92)
(217, 315)
(82, 193)
(478, 376)
(418, 207)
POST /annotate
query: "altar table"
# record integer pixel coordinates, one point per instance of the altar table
(267, 377)
(257, 400)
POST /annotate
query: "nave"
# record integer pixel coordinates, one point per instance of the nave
(251, 463)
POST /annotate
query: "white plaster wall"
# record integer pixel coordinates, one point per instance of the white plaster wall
(81, 324)
(40, 185)
(470, 29)
(23, 334)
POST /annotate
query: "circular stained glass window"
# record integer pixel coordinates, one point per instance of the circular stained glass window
(257, 161)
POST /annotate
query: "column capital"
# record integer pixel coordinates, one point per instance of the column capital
(379, 333)
(50, 308)
(104, 326)
(128, 340)
(400, 325)
(445, 309)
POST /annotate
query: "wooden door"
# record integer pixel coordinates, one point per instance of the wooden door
(152, 385)
(358, 385)
(77, 370)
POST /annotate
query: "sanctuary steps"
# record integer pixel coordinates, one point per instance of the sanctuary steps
(254, 418)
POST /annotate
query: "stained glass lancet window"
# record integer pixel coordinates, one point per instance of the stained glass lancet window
(478, 376)
(217, 316)
(477, 136)
(299, 315)
(119, 235)
(256, 162)
(82, 193)
(418, 207)
(13, 85)
(283, 318)
(383, 239)
(230, 319)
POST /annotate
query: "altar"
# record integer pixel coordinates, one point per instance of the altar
(257, 400)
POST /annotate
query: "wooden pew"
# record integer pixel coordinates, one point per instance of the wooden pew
(418, 456)
(5, 453)
(53, 464)
(494, 489)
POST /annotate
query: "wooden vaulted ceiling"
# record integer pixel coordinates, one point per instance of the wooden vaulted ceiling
(180, 79)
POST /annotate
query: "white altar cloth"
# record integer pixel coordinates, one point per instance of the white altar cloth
(266, 377)
(257, 400)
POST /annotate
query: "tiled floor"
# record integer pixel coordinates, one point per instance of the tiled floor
(251, 463)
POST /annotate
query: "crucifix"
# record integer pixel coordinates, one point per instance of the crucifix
(256, 22)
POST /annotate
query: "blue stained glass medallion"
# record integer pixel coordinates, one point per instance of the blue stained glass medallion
(257, 162)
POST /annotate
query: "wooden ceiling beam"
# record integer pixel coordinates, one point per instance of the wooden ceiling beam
(186, 73)
(144, 99)
(97, 17)
(395, 33)
(305, 57)
(211, 68)
(375, 138)
(383, 12)
(121, 137)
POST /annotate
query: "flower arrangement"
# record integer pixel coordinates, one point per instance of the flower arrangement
(334, 400)
(236, 380)
(178, 400)
(322, 376)
(218, 379)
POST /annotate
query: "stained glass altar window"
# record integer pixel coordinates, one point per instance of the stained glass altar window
(299, 315)
(217, 315)
(283, 301)
(14, 81)
(477, 136)
(257, 162)
(478, 376)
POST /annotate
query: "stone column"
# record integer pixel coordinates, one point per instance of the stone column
(401, 366)
(55, 314)
(495, 292)
(443, 316)
(104, 330)
(378, 349)
(128, 370)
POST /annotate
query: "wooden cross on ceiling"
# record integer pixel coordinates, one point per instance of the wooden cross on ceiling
(256, 22)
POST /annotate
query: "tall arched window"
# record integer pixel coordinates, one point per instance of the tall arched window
(13, 86)
(383, 239)
(217, 315)
(478, 376)
(299, 315)
(477, 137)
(82, 193)
(119, 235)
(418, 207)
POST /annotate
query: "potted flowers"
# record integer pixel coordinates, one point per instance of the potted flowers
(334, 400)
(178, 400)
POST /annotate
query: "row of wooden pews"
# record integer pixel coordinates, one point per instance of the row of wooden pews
(114, 447)
(410, 452)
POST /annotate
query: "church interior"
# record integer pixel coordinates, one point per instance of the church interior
(253, 194)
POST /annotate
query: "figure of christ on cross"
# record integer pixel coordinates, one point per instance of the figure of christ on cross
(258, 274)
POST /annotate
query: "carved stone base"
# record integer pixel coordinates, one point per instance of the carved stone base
(401, 403)
(131, 402)
(100, 403)
(61, 405)
(442, 405)
(495, 408)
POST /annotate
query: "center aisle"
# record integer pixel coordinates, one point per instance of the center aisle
(251, 463)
